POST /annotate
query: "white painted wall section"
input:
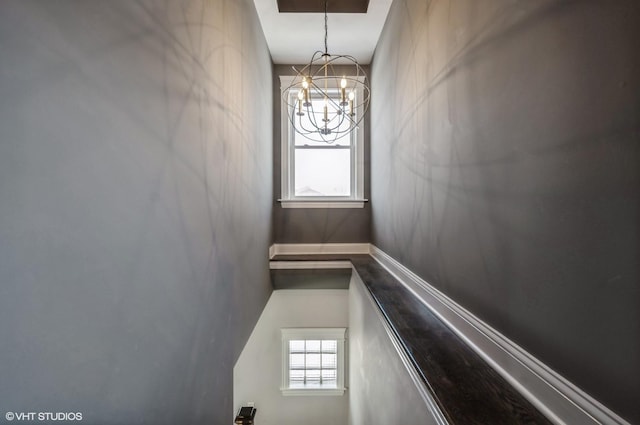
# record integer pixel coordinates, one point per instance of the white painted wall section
(257, 373)
(381, 391)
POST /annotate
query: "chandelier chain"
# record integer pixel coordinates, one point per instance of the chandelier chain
(326, 29)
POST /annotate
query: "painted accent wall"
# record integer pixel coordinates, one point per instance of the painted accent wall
(135, 205)
(505, 150)
(315, 225)
(258, 371)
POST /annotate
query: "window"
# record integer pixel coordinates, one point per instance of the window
(313, 361)
(318, 174)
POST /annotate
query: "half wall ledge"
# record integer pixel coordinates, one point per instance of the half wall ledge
(456, 359)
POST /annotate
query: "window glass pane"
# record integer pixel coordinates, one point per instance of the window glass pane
(313, 345)
(296, 377)
(296, 345)
(322, 172)
(313, 361)
(329, 376)
(313, 376)
(329, 345)
(296, 361)
(329, 361)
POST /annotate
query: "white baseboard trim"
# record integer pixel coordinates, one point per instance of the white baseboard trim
(318, 248)
(557, 398)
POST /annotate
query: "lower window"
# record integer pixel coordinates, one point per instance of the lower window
(313, 361)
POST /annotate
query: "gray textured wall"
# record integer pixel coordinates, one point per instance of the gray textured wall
(505, 152)
(315, 225)
(135, 205)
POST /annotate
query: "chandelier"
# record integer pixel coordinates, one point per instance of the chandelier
(323, 105)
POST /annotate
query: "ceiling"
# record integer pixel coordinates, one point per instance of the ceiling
(294, 36)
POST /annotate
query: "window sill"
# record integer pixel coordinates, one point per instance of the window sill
(322, 203)
(312, 391)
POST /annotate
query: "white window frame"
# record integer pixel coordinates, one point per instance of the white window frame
(288, 198)
(338, 334)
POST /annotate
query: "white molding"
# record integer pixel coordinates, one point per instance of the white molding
(312, 391)
(556, 397)
(320, 248)
(338, 334)
(302, 265)
(272, 251)
(327, 204)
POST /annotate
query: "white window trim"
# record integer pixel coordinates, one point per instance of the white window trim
(338, 334)
(324, 203)
(288, 198)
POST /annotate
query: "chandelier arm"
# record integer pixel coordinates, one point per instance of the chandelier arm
(292, 120)
(308, 134)
(331, 100)
(307, 131)
(365, 96)
(339, 116)
(311, 113)
(312, 118)
(315, 135)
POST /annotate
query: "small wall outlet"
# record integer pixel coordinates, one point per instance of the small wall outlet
(251, 404)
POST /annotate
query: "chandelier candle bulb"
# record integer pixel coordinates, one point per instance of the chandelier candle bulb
(305, 87)
(352, 96)
(326, 110)
(343, 91)
(300, 97)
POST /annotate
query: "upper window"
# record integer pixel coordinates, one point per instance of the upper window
(313, 361)
(319, 174)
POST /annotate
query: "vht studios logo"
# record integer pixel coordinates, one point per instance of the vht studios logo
(43, 416)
